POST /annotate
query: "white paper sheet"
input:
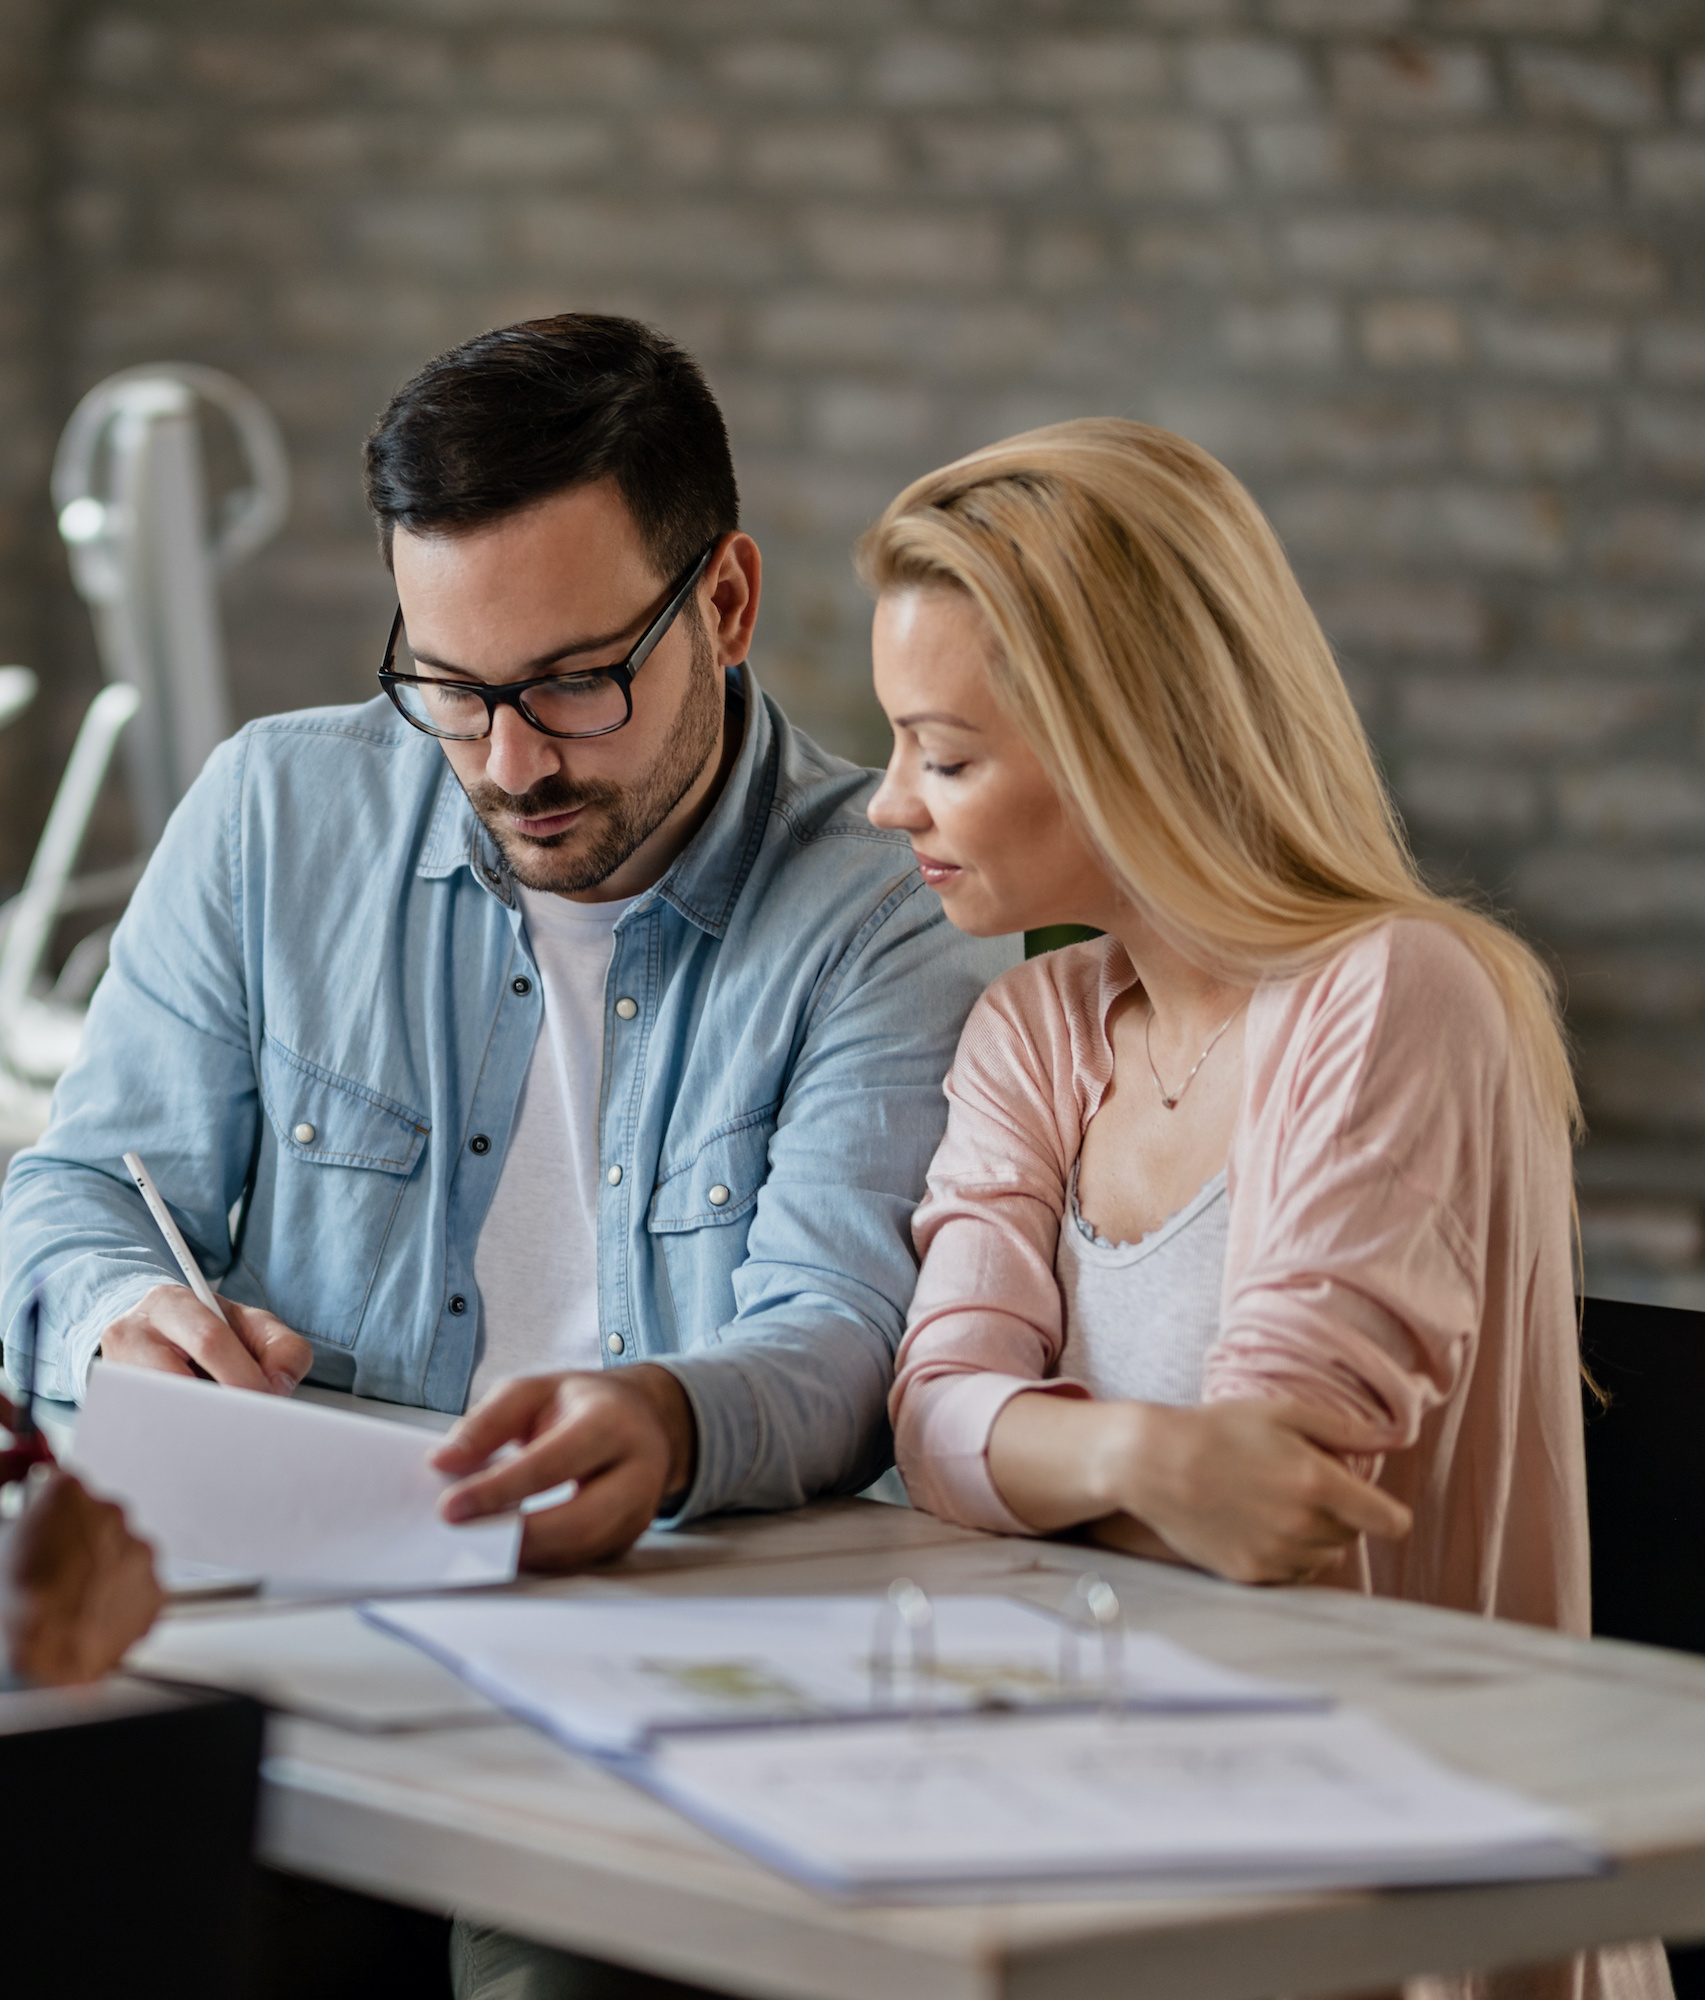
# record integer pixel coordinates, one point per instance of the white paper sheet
(305, 1498)
(1294, 1801)
(327, 1662)
(606, 1675)
(185, 1582)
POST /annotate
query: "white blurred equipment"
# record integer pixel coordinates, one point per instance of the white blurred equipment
(146, 556)
(17, 690)
(146, 551)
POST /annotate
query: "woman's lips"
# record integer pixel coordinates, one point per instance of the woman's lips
(936, 873)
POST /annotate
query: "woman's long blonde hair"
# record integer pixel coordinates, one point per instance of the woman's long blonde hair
(1155, 648)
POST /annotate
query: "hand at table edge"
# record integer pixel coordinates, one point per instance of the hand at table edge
(1253, 1490)
(77, 1588)
(625, 1437)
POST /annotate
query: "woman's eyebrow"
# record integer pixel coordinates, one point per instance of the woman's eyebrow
(935, 715)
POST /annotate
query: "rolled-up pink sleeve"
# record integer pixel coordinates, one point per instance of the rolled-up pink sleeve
(1355, 1278)
(1371, 1316)
(986, 1319)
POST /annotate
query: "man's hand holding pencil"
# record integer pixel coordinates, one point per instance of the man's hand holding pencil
(195, 1332)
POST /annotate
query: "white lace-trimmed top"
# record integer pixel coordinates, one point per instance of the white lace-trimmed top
(1140, 1317)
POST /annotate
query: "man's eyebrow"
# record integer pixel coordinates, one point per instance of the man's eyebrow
(535, 666)
(936, 715)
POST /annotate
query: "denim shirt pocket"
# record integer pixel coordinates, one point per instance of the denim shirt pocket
(720, 1182)
(699, 1216)
(327, 1196)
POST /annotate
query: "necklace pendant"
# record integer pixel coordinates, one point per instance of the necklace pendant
(1171, 1103)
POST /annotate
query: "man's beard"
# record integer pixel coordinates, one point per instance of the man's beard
(618, 818)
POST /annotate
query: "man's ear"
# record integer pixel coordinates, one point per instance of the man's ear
(733, 582)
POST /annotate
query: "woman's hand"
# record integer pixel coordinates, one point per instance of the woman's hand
(77, 1588)
(1249, 1490)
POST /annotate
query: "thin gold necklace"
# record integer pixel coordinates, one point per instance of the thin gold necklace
(1172, 1102)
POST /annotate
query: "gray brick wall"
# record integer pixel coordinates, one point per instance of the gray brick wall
(1428, 273)
(28, 417)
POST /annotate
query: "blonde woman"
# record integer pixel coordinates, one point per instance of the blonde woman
(1270, 1186)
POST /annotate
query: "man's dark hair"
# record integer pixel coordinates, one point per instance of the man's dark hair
(513, 416)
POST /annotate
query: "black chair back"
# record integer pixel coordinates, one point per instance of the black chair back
(1646, 1494)
(1646, 1472)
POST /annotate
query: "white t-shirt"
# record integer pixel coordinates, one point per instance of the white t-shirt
(1140, 1317)
(537, 1261)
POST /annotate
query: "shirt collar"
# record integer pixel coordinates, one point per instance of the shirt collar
(705, 877)
(456, 837)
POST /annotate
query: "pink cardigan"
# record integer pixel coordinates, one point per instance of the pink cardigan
(1399, 1250)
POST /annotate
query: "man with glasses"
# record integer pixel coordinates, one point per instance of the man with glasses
(551, 1038)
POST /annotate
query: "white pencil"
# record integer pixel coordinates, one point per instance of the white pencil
(173, 1235)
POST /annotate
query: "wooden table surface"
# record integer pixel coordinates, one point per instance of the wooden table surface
(495, 1820)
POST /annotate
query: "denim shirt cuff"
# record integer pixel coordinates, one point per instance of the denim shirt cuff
(78, 1344)
(725, 1417)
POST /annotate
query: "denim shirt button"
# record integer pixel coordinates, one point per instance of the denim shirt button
(521, 984)
(626, 1009)
(614, 1177)
(304, 1134)
(615, 1343)
(479, 1143)
(718, 1196)
(458, 1304)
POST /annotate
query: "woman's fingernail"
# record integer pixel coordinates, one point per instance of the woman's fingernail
(284, 1384)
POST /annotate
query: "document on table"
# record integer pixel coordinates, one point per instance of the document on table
(1259, 1801)
(609, 1675)
(302, 1497)
(327, 1662)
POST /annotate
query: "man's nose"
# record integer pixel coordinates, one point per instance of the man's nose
(518, 757)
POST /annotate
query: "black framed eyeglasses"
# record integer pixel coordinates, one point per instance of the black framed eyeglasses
(592, 702)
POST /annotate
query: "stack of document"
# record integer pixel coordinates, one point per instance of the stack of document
(1322, 1800)
(984, 1763)
(611, 1676)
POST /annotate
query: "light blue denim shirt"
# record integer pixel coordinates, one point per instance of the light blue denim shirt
(322, 992)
